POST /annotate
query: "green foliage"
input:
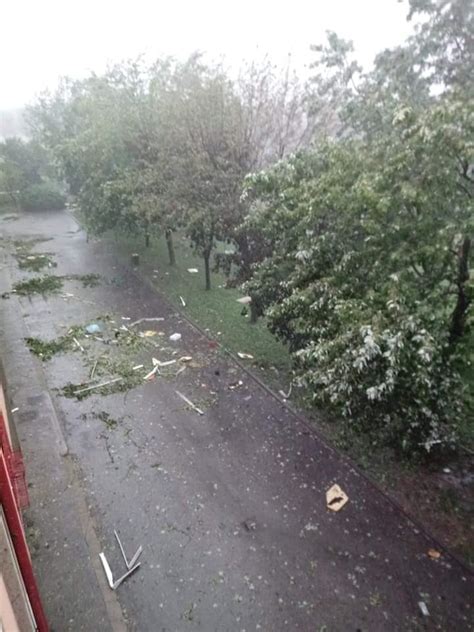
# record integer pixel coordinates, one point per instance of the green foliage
(25, 174)
(45, 196)
(35, 262)
(46, 349)
(48, 284)
(368, 279)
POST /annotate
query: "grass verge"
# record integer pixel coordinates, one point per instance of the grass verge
(215, 310)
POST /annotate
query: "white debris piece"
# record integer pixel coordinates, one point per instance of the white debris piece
(245, 356)
(189, 403)
(193, 270)
(245, 300)
(146, 320)
(175, 337)
(424, 609)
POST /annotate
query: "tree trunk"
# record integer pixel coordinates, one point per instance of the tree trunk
(207, 269)
(458, 318)
(170, 245)
(254, 314)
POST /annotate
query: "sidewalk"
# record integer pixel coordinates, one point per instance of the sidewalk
(229, 506)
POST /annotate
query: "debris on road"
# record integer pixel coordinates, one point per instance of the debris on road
(175, 337)
(14, 410)
(245, 356)
(434, 554)
(424, 609)
(134, 559)
(108, 572)
(336, 498)
(166, 363)
(90, 388)
(93, 328)
(152, 373)
(250, 524)
(235, 385)
(146, 320)
(76, 342)
(94, 368)
(190, 403)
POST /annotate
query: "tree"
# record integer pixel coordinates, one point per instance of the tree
(370, 234)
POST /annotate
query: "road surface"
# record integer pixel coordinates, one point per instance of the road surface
(229, 506)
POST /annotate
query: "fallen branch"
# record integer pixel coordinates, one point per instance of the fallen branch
(90, 388)
(145, 320)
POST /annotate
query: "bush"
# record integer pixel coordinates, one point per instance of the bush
(46, 196)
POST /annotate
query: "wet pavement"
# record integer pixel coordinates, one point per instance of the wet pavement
(229, 506)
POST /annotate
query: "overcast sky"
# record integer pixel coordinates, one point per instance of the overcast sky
(41, 40)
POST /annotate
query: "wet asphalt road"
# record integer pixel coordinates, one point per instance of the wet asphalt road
(229, 506)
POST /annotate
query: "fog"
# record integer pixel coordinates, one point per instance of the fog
(42, 41)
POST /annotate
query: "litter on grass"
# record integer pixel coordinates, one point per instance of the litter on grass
(175, 337)
(183, 303)
(185, 359)
(189, 403)
(286, 395)
(245, 356)
(149, 333)
(136, 367)
(193, 270)
(245, 300)
(336, 498)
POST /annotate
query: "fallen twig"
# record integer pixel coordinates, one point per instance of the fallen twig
(94, 368)
(147, 320)
(189, 403)
(286, 395)
(90, 388)
(78, 344)
(134, 558)
(108, 572)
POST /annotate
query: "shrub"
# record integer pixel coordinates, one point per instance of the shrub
(46, 196)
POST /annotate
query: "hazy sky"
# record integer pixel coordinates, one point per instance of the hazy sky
(43, 39)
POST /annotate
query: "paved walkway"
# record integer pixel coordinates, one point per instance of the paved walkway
(229, 506)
